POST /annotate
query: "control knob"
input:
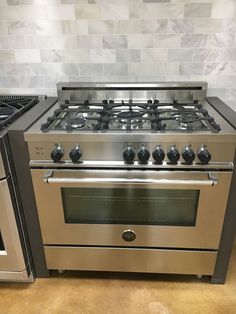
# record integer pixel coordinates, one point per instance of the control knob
(203, 155)
(143, 155)
(173, 155)
(57, 153)
(188, 155)
(75, 154)
(129, 155)
(158, 155)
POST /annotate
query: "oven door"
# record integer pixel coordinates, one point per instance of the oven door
(174, 209)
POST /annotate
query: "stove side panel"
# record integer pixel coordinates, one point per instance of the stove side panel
(20, 158)
(229, 230)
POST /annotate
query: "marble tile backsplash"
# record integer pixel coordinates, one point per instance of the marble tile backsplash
(43, 42)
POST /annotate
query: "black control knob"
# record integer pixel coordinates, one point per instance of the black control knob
(203, 155)
(57, 154)
(143, 155)
(75, 154)
(129, 155)
(188, 155)
(158, 155)
(173, 155)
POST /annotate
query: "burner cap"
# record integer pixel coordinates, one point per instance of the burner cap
(129, 114)
(77, 123)
(186, 117)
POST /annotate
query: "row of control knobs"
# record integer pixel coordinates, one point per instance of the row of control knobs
(143, 154)
(173, 155)
(58, 153)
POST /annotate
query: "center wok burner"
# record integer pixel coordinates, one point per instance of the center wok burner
(129, 115)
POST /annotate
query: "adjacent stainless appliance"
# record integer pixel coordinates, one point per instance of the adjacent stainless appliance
(132, 177)
(21, 252)
(13, 265)
(14, 254)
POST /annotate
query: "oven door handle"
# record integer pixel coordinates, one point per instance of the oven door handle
(212, 180)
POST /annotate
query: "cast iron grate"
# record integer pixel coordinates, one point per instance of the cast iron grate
(131, 116)
(11, 107)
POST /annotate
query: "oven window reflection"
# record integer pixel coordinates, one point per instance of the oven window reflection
(130, 206)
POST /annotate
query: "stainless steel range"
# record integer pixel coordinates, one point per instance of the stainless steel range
(132, 177)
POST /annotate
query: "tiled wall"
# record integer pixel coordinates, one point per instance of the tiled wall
(46, 41)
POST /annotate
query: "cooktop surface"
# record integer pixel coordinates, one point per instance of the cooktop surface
(129, 115)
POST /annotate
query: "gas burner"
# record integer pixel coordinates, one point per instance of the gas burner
(131, 124)
(89, 114)
(129, 115)
(131, 121)
(186, 117)
(77, 123)
(133, 118)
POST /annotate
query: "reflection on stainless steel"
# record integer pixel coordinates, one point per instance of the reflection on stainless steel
(171, 206)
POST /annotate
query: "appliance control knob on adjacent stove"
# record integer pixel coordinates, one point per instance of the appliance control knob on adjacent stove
(143, 155)
(188, 155)
(158, 155)
(173, 155)
(75, 154)
(57, 153)
(203, 155)
(129, 155)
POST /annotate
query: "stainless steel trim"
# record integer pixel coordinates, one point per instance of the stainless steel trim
(136, 165)
(131, 260)
(141, 91)
(2, 170)
(211, 182)
(20, 276)
(12, 258)
(35, 135)
(144, 85)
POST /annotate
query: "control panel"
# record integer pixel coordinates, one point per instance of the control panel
(172, 154)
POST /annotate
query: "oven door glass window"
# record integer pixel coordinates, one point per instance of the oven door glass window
(2, 248)
(130, 206)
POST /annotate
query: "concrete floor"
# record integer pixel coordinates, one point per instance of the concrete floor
(105, 293)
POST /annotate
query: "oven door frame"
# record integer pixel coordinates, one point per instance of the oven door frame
(11, 258)
(213, 187)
